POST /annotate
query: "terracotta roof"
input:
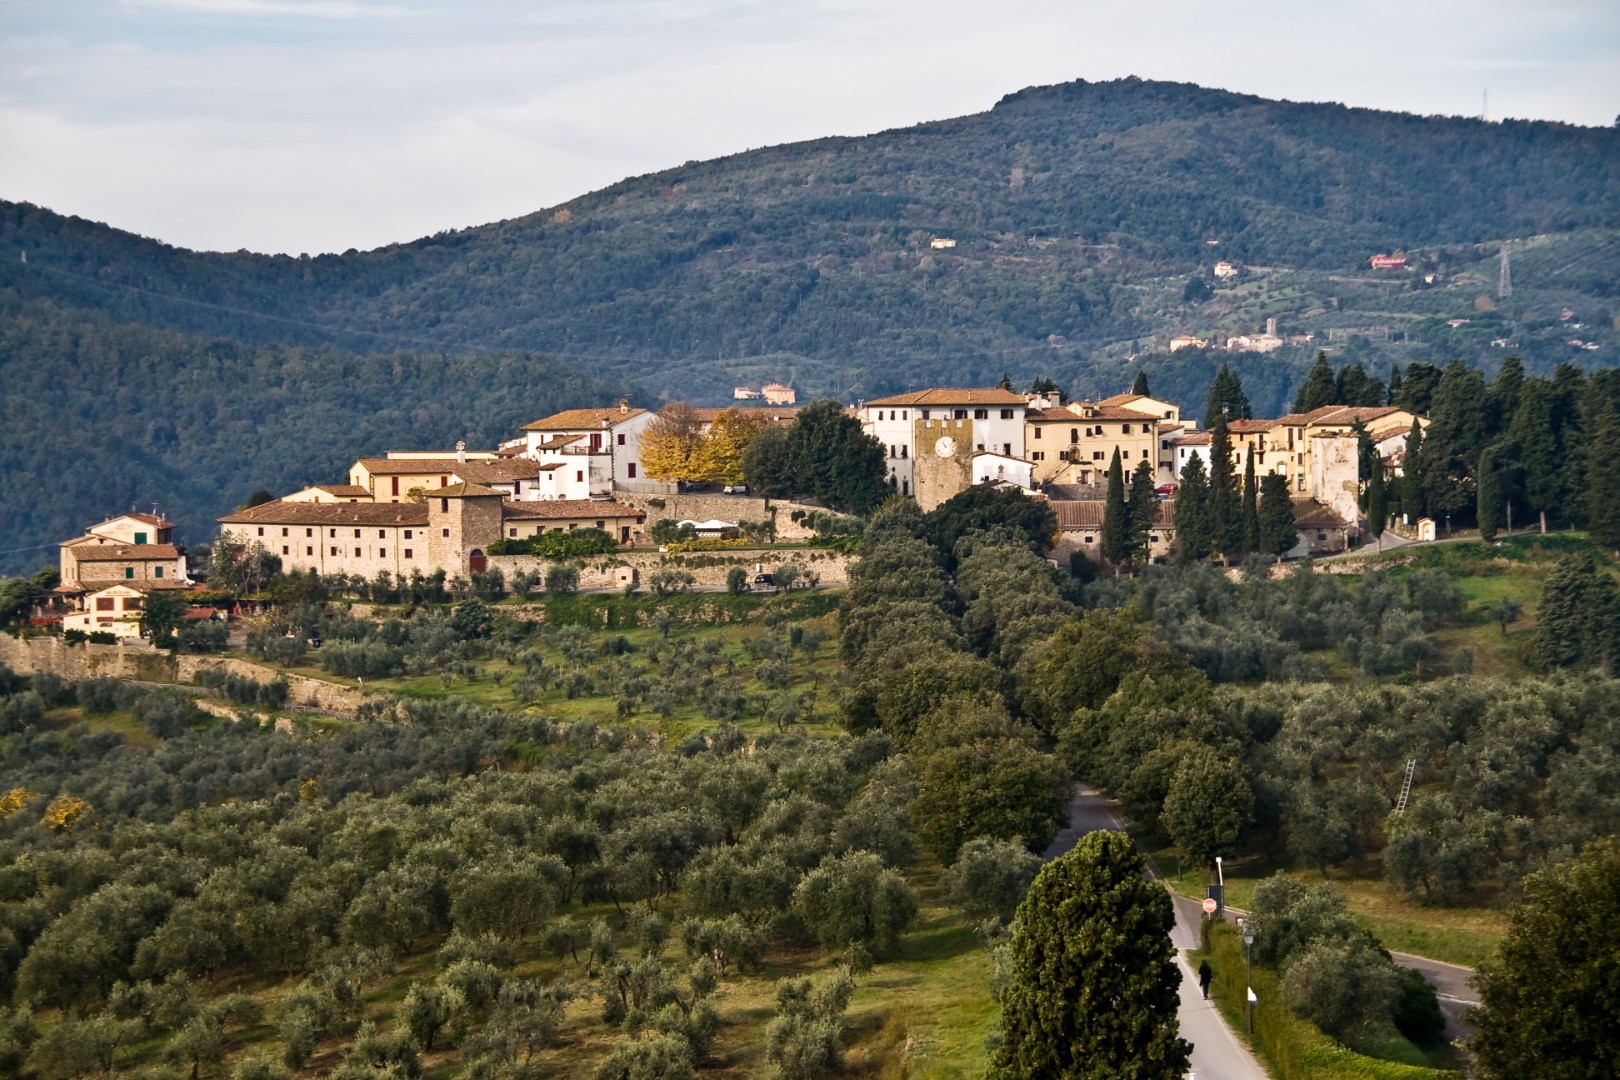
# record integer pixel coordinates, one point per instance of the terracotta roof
(1364, 413)
(1088, 513)
(1193, 438)
(1122, 399)
(125, 552)
(498, 472)
(1100, 411)
(461, 491)
(150, 519)
(993, 395)
(557, 442)
(344, 491)
(1248, 427)
(378, 466)
(1058, 415)
(582, 419)
(1310, 514)
(572, 509)
(312, 513)
(95, 585)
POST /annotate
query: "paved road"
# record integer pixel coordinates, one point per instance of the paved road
(1217, 1053)
(1450, 982)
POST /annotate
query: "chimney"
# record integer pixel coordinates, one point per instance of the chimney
(624, 406)
(461, 452)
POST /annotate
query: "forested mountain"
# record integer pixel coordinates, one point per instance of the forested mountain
(1085, 217)
(98, 416)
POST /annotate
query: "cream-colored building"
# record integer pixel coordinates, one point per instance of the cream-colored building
(330, 493)
(597, 450)
(126, 548)
(994, 421)
(116, 609)
(1075, 443)
(447, 528)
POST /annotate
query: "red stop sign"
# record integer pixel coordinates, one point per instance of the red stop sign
(1210, 905)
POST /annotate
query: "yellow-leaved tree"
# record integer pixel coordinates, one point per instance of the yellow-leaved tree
(723, 448)
(65, 812)
(17, 799)
(671, 445)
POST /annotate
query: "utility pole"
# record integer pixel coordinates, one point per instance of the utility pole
(1504, 276)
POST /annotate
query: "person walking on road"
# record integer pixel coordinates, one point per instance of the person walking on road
(1204, 977)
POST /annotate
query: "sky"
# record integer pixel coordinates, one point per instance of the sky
(321, 125)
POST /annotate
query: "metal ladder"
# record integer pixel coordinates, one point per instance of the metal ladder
(1406, 786)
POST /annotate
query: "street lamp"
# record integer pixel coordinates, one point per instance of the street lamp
(1248, 966)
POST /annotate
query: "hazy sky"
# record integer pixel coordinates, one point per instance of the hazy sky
(319, 125)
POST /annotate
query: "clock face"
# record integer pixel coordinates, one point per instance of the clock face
(945, 447)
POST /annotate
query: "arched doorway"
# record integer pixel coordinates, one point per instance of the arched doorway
(476, 561)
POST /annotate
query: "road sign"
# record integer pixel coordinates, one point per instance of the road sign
(1210, 905)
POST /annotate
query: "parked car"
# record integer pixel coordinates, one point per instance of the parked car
(1164, 491)
(762, 582)
(736, 489)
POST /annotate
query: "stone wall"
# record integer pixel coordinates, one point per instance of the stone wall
(143, 663)
(725, 507)
(708, 567)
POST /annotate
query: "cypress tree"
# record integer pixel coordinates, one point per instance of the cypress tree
(1354, 387)
(1318, 389)
(1457, 433)
(1140, 386)
(1505, 391)
(1578, 618)
(1377, 502)
(1602, 475)
(1414, 502)
(1278, 532)
(1394, 385)
(1144, 512)
(1226, 398)
(1116, 517)
(1193, 532)
(1251, 507)
(1417, 388)
(1225, 501)
(1091, 987)
(1489, 505)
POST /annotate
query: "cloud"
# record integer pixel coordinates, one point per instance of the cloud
(304, 9)
(309, 126)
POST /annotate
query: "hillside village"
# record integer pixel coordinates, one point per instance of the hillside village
(422, 512)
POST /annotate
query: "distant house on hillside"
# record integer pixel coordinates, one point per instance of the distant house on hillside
(939, 243)
(777, 394)
(744, 393)
(1387, 262)
(1187, 341)
(1224, 270)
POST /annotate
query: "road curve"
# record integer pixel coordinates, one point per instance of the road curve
(1217, 1053)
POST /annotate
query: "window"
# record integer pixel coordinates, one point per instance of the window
(446, 533)
(284, 549)
(1037, 456)
(444, 507)
(1074, 434)
(129, 571)
(407, 534)
(382, 553)
(1037, 433)
(631, 470)
(579, 476)
(1006, 448)
(1006, 414)
(960, 414)
(893, 452)
(261, 530)
(309, 550)
(601, 524)
(1090, 538)
(511, 532)
(309, 532)
(980, 448)
(132, 604)
(981, 414)
(1096, 455)
(396, 485)
(334, 552)
(444, 481)
(357, 553)
(924, 414)
(357, 534)
(157, 571)
(140, 538)
(621, 442)
(104, 603)
(1124, 429)
(1144, 453)
(407, 553)
(332, 534)
(903, 451)
(382, 534)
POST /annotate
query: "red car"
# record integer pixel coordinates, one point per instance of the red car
(1165, 489)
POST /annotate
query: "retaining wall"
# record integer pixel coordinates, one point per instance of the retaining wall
(27, 656)
(725, 507)
(708, 567)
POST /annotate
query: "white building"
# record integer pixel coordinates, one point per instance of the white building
(997, 416)
(592, 450)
